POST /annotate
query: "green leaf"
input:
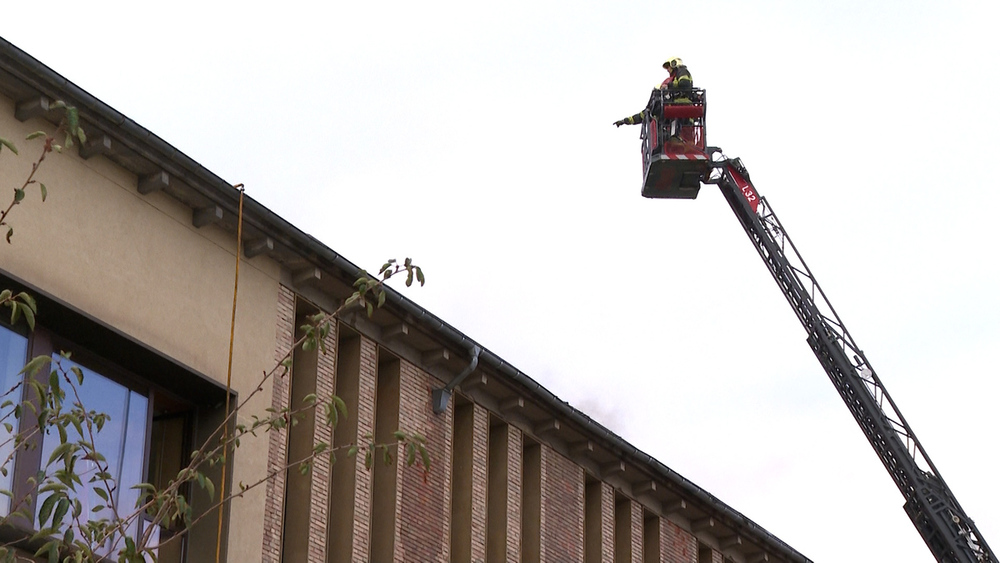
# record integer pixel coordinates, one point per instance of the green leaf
(420, 273)
(339, 404)
(35, 135)
(10, 233)
(62, 507)
(18, 195)
(45, 191)
(60, 451)
(72, 119)
(101, 493)
(46, 510)
(35, 365)
(29, 316)
(28, 300)
(8, 144)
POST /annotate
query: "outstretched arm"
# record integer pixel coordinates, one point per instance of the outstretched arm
(631, 120)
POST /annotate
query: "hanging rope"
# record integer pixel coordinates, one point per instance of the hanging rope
(229, 372)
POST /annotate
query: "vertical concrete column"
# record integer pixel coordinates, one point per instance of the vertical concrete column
(305, 515)
(425, 496)
(497, 493)
(708, 555)
(600, 522)
(562, 508)
(531, 501)
(385, 519)
(651, 540)
(623, 529)
(460, 523)
(277, 444)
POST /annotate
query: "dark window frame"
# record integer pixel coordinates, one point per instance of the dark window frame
(172, 388)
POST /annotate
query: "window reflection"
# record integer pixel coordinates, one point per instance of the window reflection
(121, 441)
(13, 355)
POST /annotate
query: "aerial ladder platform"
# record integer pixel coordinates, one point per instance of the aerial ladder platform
(676, 161)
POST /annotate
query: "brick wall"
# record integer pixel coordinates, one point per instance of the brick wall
(635, 510)
(277, 444)
(607, 522)
(480, 467)
(562, 508)
(515, 474)
(676, 544)
(425, 497)
(423, 502)
(326, 370)
(366, 425)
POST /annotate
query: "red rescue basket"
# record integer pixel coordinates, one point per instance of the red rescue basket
(674, 160)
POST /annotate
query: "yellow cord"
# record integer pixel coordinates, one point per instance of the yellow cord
(229, 373)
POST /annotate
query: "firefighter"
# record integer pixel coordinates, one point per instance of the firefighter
(680, 76)
(676, 85)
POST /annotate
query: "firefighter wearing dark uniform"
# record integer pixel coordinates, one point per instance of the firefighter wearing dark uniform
(676, 85)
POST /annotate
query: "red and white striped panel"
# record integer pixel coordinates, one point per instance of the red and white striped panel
(692, 156)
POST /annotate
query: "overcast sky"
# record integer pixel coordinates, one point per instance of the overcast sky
(477, 139)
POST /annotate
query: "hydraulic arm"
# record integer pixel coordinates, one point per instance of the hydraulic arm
(949, 533)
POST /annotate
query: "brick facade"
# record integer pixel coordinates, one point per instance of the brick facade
(635, 512)
(480, 467)
(277, 443)
(562, 508)
(423, 502)
(322, 433)
(425, 497)
(366, 425)
(676, 544)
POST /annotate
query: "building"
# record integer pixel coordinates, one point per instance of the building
(131, 260)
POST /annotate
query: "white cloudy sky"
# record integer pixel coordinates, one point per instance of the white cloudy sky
(477, 138)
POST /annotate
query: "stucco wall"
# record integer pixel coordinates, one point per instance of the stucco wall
(138, 264)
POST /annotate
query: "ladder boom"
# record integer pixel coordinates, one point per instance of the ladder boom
(949, 533)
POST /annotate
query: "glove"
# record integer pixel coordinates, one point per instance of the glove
(619, 123)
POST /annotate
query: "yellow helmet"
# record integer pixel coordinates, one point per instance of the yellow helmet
(672, 63)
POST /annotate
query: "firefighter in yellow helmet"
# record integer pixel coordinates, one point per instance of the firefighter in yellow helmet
(677, 83)
(680, 77)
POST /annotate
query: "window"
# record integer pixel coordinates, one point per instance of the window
(122, 441)
(157, 408)
(13, 355)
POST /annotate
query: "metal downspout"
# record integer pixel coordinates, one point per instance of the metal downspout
(440, 397)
